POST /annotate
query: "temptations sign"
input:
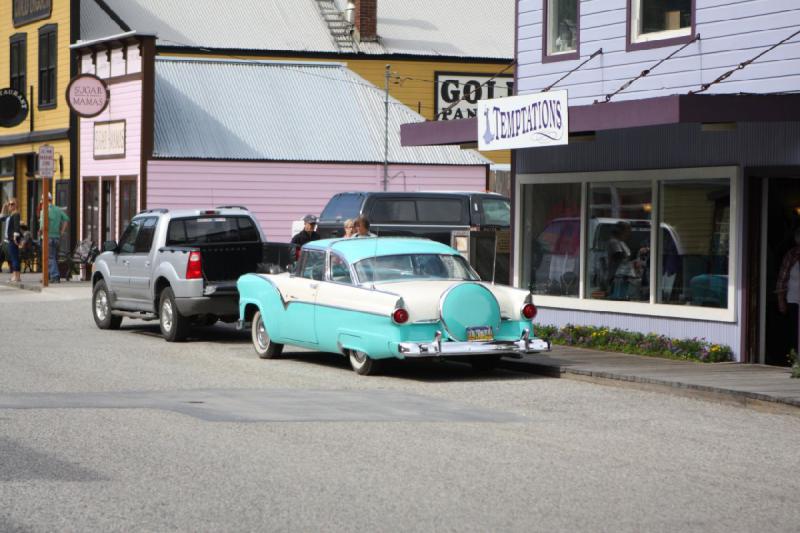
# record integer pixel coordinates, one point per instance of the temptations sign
(26, 11)
(528, 121)
(13, 107)
(87, 95)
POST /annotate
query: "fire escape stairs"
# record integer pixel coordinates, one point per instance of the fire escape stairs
(339, 28)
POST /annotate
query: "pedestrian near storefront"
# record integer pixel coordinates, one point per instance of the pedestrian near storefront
(309, 232)
(3, 241)
(57, 222)
(14, 237)
(362, 227)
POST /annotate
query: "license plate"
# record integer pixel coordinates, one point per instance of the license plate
(480, 333)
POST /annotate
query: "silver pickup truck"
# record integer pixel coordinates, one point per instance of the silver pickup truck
(180, 267)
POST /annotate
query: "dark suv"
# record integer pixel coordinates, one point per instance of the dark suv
(434, 215)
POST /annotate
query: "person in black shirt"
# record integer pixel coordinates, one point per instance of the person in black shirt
(309, 232)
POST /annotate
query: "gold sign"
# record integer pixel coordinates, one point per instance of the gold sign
(26, 11)
(109, 139)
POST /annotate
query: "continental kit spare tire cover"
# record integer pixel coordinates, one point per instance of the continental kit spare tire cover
(468, 305)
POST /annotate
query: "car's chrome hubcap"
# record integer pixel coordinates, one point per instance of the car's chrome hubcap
(101, 305)
(261, 335)
(166, 315)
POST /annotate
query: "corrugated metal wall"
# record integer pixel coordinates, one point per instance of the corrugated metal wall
(282, 192)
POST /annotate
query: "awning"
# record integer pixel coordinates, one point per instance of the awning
(659, 111)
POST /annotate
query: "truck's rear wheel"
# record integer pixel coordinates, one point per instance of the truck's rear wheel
(101, 308)
(265, 348)
(174, 326)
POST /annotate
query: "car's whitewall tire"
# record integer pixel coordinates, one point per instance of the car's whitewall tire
(262, 342)
(362, 363)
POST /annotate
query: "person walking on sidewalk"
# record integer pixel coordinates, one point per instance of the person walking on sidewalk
(57, 222)
(14, 237)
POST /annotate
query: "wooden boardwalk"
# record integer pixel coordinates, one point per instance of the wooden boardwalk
(760, 386)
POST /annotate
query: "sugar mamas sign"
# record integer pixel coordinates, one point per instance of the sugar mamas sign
(25, 11)
(528, 121)
(87, 95)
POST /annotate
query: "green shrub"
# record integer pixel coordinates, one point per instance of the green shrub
(632, 342)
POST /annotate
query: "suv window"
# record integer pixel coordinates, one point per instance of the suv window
(496, 212)
(128, 240)
(145, 238)
(441, 211)
(312, 265)
(210, 229)
(391, 211)
(342, 207)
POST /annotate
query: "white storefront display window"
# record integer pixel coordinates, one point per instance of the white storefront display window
(655, 242)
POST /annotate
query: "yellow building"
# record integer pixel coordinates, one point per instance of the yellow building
(35, 61)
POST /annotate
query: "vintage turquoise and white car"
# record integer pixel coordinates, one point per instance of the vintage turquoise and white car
(372, 299)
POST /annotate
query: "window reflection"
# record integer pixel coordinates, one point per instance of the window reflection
(552, 230)
(695, 245)
(618, 261)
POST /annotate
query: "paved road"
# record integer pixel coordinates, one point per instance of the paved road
(120, 431)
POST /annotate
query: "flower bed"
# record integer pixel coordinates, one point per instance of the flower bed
(619, 340)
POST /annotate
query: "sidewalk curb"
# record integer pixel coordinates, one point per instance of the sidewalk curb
(753, 400)
(21, 286)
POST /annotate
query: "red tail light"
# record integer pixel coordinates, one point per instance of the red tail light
(194, 268)
(400, 316)
(529, 311)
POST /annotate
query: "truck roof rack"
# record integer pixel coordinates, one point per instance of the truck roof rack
(156, 210)
(232, 207)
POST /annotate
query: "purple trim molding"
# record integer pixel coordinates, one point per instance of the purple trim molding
(657, 43)
(658, 111)
(561, 57)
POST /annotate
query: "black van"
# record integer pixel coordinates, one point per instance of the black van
(434, 215)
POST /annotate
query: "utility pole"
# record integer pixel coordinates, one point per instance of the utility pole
(386, 131)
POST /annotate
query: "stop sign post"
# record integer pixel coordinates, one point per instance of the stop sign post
(46, 168)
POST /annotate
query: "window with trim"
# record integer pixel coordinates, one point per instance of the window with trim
(19, 62)
(653, 20)
(561, 28)
(47, 65)
(613, 241)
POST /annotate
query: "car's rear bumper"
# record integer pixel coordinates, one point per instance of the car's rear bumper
(227, 305)
(440, 348)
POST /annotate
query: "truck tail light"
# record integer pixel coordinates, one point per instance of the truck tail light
(400, 316)
(529, 311)
(194, 268)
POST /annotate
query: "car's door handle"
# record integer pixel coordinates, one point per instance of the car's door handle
(147, 263)
(125, 262)
(314, 285)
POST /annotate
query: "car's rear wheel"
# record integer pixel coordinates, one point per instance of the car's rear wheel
(484, 363)
(265, 348)
(101, 308)
(362, 363)
(174, 326)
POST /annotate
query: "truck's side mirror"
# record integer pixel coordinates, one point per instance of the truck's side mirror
(110, 246)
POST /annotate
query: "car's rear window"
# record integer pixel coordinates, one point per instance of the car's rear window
(342, 207)
(445, 211)
(210, 229)
(496, 212)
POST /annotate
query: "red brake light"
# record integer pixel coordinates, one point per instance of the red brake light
(194, 268)
(400, 316)
(529, 311)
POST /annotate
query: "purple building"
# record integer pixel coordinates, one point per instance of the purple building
(674, 205)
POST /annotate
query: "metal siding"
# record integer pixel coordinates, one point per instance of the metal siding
(455, 28)
(731, 32)
(279, 193)
(313, 112)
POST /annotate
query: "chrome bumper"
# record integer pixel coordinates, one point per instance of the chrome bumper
(439, 348)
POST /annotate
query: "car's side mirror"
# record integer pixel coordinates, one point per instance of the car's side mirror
(110, 246)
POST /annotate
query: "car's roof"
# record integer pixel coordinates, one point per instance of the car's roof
(436, 194)
(357, 249)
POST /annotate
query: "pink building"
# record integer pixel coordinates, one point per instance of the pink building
(277, 137)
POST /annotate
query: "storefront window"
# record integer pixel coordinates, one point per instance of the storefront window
(654, 242)
(562, 26)
(551, 230)
(91, 210)
(618, 258)
(660, 19)
(694, 243)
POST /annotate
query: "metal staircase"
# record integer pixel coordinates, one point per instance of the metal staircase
(339, 28)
